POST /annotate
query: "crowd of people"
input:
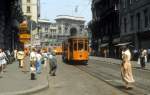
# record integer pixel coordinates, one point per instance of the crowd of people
(37, 58)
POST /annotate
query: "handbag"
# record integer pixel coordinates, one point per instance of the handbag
(138, 62)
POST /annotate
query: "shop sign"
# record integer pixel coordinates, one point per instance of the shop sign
(24, 37)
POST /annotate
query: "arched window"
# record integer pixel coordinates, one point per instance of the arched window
(73, 31)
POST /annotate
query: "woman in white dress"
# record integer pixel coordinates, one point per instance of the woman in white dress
(126, 68)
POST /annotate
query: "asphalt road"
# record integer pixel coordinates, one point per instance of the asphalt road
(96, 78)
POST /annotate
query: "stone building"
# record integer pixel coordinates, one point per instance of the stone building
(135, 23)
(69, 26)
(10, 17)
(105, 27)
(53, 34)
(44, 32)
(31, 9)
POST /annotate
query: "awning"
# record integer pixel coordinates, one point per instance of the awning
(104, 45)
(123, 44)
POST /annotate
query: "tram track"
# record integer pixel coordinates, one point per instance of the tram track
(115, 81)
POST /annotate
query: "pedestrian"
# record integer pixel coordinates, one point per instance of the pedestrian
(126, 68)
(38, 62)
(135, 54)
(45, 57)
(20, 57)
(8, 55)
(52, 63)
(33, 58)
(32, 64)
(15, 54)
(143, 57)
(2, 60)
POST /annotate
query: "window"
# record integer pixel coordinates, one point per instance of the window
(130, 1)
(125, 25)
(132, 22)
(28, 9)
(75, 45)
(86, 46)
(124, 3)
(145, 17)
(80, 46)
(28, 1)
(138, 16)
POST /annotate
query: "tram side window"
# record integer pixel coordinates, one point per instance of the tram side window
(75, 46)
(86, 46)
(71, 47)
(80, 46)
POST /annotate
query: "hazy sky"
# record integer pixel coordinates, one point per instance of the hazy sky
(51, 8)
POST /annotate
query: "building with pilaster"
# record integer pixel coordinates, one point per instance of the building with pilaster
(69, 26)
(135, 23)
(53, 34)
(31, 9)
(105, 27)
(44, 30)
(10, 17)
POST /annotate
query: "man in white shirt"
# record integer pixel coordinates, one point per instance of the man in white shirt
(38, 62)
(52, 64)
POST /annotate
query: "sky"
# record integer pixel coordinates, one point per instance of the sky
(51, 8)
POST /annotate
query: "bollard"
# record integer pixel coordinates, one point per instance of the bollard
(33, 73)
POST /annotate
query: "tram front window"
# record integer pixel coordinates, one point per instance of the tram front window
(80, 46)
(86, 46)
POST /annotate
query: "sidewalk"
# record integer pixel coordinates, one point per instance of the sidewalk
(16, 82)
(117, 61)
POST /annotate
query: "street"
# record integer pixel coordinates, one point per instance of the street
(100, 77)
(111, 38)
(97, 78)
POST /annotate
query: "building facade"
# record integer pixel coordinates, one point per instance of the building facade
(53, 34)
(69, 26)
(135, 23)
(105, 27)
(44, 30)
(10, 17)
(31, 9)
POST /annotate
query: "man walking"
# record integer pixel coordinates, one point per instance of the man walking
(32, 63)
(20, 57)
(52, 64)
(38, 62)
(143, 58)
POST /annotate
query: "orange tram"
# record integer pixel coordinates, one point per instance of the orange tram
(57, 50)
(75, 50)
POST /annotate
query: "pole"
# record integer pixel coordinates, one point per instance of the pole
(31, 42)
